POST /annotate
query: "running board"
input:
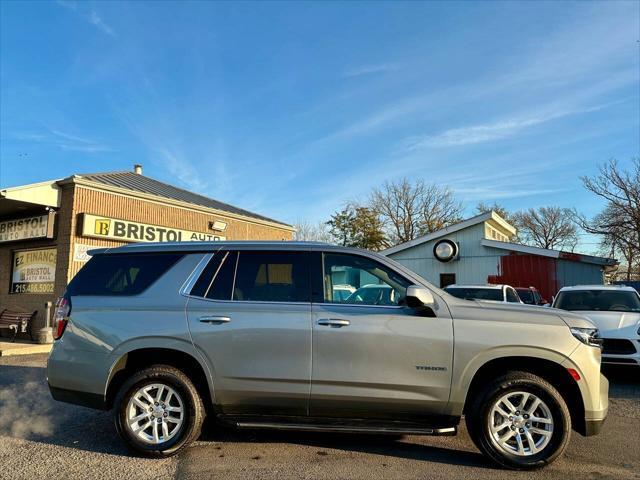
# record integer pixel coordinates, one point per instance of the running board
(338, 425)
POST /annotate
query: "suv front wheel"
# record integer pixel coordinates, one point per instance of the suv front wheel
(158, 411)
(520, 421)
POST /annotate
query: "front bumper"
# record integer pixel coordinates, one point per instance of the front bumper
(621, 351)
(593, 427)
(593, 386)
(595, 417)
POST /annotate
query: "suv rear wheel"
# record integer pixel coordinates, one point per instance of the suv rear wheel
(158, 411)
(520, 421)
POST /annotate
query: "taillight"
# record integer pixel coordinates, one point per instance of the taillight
(61, 316)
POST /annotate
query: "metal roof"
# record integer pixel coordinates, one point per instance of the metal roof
(150, 186)
(547, 252)
(469, 222)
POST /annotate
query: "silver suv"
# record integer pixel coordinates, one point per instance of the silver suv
(253, 334)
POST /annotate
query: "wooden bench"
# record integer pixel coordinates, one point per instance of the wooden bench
(14, 320)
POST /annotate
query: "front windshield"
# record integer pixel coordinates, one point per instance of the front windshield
(494, 294)
(599, 300)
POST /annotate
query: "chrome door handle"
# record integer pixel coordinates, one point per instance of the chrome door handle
(214, 319)
(333, 322)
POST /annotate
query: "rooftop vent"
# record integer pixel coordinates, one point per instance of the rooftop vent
(137, 169)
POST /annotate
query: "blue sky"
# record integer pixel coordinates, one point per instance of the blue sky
(292, 109)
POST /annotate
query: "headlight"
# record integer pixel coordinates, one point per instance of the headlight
(588, 336)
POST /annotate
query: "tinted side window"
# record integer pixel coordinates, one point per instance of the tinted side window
(216, 280)
(206, 277)
(121, 274)
(512, 296)
(527, 296)
(369, 282)
(272, 277)
(537, 298)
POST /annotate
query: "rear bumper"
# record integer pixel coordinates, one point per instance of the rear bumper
(90, 400)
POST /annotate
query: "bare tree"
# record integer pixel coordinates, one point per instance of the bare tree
(547, 227)
(411, 209)
(619, 223)
(496, 207)
(312, 232)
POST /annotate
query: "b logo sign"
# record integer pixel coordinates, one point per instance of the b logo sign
(102, 226)
(127, 231)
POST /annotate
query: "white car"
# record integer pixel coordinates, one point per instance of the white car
(494, 293)
(615, 310)
(375, 294)
(342, 292)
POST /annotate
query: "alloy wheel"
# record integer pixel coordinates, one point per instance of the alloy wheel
(520, 423)
(155, 413)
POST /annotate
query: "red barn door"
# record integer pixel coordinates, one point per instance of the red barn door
(528, 271)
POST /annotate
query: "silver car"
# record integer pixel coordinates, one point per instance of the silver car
(253, 334)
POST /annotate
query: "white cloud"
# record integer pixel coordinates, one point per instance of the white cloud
(491, 131)
(182, 169)
(63, 140)
(370, 69)
(90, 16)
(73, 138)
(96, 20)
(500, 193)
(591, 56)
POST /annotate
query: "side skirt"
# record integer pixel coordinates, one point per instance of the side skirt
(446, 426)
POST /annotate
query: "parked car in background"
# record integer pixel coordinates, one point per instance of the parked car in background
(250, 332)
(530, 296)
(375, 294)
(494, 293)
(629, 283)
(615, 310)
(342, 291)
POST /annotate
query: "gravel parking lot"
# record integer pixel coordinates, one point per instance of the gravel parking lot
(41, 438)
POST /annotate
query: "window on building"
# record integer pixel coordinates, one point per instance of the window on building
(366, 281)
(121, 274)
(447, 279)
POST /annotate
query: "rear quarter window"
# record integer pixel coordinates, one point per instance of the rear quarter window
(121, 274)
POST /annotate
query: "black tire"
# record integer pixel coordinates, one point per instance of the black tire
(477, 420)
(194, 412)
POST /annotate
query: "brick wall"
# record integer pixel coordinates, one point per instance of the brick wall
(77, 199)
(113, 205)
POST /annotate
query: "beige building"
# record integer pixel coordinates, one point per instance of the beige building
(46, 228)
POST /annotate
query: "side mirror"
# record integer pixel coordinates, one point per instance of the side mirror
(419, 297)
